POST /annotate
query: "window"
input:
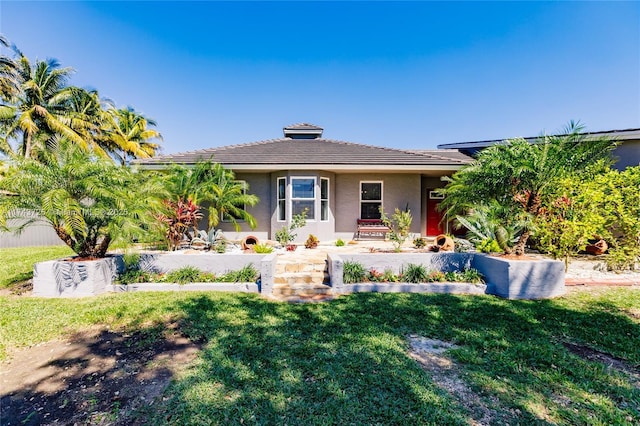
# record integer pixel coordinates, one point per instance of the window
(282, 204)
(303, 196)
(370, 200)
(226, 217)
(324, 199)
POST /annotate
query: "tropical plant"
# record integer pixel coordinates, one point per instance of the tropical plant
(285, 235)
(90, 202)
(39, 109)
(353, 272)
(179, 217)
(37, 106)
(491, 222)
(400, 225)
(128, 134)
(210, 184)
(518, 175)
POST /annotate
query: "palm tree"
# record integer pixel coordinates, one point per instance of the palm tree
(211, 184)
(90, 202)
(517, 176)
(39, 108)
(128, 134)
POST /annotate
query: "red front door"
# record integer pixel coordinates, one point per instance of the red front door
(433, 215)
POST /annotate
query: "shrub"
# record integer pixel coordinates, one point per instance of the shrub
(247, 274)
(435, 276)
(471, 276)
(131, 261)
(187, 274)
(353, 272)
(399, 223)
(388, 276)
(374, 276)
(419, 243)
(135, 276)
(262, 248)
(340, 242)
(488, 246)
(220, 246)
(312, 242)
(285, 234)
(415, 273)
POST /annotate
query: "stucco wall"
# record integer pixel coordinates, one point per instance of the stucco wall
(398, 190)
(324, 230)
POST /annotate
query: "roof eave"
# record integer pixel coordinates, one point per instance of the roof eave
(329, 167)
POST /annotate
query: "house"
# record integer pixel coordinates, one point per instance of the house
(336, 182)
(626, 154)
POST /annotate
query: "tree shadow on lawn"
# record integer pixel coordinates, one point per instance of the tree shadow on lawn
(345, 362)
(93, 378)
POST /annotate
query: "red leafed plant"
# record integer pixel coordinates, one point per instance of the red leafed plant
(180, 216)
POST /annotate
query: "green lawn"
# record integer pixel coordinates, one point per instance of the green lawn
(345, 362)
(16, 264)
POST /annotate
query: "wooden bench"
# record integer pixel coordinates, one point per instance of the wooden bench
(371, 227)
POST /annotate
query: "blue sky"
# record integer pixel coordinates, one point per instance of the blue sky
(397, 74)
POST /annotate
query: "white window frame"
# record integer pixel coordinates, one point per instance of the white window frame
(324, 179)
(278, 199)
(369, 201)
(315, 196)
(244, 206)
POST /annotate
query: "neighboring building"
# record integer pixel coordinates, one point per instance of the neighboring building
(338, 182)
(626, 154)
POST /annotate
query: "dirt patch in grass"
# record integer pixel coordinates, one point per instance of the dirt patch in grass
(95, 377)
(431, 355)
(611, 362)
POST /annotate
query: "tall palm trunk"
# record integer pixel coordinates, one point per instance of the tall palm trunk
(27, 145)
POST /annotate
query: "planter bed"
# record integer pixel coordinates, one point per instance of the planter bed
(61, 278)
(208, 262)
(508, 278)
(247, 287)
(444, 287)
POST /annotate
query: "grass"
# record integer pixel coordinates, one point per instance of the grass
(17, 263)
(345, 362)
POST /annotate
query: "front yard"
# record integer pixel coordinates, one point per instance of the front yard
(572, 360)
(16, 264)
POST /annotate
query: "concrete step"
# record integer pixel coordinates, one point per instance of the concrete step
(300, 290)
(290, 266)
(290, 278)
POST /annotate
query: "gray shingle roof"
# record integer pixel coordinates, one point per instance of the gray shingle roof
(290, 151)
(620, 135)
